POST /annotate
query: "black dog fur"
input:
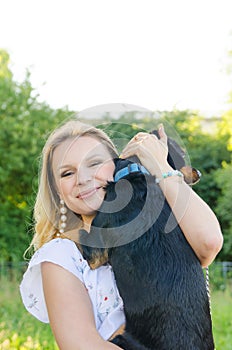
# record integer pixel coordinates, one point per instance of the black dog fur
(158, 275)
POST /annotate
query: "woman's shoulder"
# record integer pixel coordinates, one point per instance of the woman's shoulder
(55, 246)
(63, 252)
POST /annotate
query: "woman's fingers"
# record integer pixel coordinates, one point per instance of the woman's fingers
(151, 150)
(162, 134)
(138, 137)
(130, 150)
(133, 145)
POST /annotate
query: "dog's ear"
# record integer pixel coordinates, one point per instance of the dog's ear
(191, 175)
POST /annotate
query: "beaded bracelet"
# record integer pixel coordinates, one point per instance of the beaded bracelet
(169, 174)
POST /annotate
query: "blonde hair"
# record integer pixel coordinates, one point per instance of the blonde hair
(46, 210)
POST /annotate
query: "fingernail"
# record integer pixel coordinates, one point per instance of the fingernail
(161, 127)
(123, 155)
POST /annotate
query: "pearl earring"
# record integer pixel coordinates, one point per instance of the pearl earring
(63, 218)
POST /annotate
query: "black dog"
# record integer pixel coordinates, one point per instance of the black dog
(158, 275)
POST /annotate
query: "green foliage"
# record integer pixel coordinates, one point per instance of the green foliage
(120, 131)
(220, 276)
(5, 72)
(224, 130)
(24, 125)
(207, 152)
(223, 210)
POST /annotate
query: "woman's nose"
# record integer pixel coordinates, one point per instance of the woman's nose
(83, 175)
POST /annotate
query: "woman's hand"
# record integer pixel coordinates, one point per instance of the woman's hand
(151, 151)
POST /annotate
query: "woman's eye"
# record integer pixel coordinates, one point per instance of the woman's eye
(95, 163)
(67, 173)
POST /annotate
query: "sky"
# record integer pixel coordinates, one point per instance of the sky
(157, 54)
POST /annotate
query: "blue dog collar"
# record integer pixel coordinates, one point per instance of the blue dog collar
(130, 168)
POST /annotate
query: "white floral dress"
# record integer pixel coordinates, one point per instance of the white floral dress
(100, 284)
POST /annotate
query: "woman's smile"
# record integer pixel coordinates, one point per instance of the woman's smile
(88, 193)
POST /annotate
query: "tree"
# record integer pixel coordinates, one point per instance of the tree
(24, 124)
(223, 178)
(5, 72)
(223, 209)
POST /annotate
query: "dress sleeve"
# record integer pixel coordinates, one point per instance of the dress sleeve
(62, 252)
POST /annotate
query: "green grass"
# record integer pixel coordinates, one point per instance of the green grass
(20, 331)
(221, 305)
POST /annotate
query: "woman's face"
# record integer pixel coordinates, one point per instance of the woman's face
(82, 167)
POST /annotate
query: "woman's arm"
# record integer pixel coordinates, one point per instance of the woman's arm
(197, 221)
(70, 311)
